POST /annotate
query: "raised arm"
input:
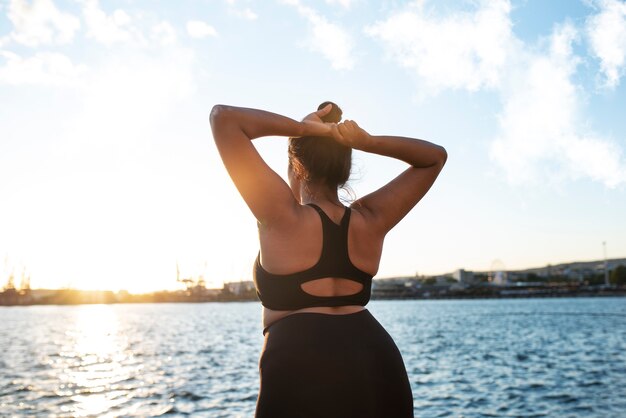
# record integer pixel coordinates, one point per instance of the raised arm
(265, 192)
(389, 204)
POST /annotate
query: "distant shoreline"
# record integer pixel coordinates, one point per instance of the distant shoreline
(574, 279)
(76, 297)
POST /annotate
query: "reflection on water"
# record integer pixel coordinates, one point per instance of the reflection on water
(92, 361)
(552, 357)
(129, 360)
(86, 360)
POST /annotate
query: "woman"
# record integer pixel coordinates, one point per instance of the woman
(324, 354)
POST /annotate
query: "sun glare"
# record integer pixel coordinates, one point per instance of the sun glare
(95, 358)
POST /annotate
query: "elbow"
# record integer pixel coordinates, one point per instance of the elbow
(438, 158)
(219, 113)
(443, 156)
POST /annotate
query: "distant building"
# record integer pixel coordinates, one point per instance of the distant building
(443, 280)
(394, 288)
(463, 276)
(239, 288)
(516, 277)
(41, 294)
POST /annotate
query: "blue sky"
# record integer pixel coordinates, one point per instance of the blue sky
(109, 175)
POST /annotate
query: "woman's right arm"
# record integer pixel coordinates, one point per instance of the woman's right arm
(267, 195)
(388, 205)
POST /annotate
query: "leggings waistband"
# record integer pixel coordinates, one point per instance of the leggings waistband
(321, 314)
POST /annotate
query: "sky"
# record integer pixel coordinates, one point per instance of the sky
(109, 176)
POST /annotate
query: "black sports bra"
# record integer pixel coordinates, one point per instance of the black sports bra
(283, 292)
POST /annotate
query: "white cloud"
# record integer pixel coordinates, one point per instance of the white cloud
(343, 3)
(464, 50)
(329, 39)
(199, 29)
(109, 29)
(44, 68)
(41, 23)
(164, 33)
(607, 35)
(541, 135)
(246, 13)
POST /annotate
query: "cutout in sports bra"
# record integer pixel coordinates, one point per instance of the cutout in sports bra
(283, 291)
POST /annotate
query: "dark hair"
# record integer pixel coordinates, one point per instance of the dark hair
(321, 159)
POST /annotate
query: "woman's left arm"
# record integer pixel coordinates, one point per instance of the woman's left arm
(267, 195)
(426, 161)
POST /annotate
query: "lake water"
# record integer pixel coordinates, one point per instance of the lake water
(472, 358)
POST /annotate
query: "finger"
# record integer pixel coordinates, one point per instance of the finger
(325, 110)
(334, 130)
(342, 133)
(342, 128)
(349, 126)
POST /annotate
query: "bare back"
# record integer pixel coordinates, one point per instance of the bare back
(297, 246)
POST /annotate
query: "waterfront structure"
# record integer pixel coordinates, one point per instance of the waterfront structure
(606, 270)
(240, 288)
(568, 279)
(463, 276)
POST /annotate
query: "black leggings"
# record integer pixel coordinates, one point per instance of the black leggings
(323, 366)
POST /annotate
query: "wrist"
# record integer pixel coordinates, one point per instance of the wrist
(300, 129)
(314, 128)
(368, 143)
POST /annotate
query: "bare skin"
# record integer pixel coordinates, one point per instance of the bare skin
(280, 208)
(311, 228)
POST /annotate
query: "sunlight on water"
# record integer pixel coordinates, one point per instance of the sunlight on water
(505, 358)
(93, 360)
(96, 333)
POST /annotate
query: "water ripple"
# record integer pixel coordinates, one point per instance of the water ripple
(496, 358)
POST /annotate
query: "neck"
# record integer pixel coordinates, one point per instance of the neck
(317, 193)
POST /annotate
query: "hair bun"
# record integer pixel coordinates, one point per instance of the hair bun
(334, 116)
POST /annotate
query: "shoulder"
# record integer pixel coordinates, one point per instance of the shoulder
(362, 214)
(365, 222)
(288, 219)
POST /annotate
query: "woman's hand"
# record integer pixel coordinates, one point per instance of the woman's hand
(315, 126)
(352, 135)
